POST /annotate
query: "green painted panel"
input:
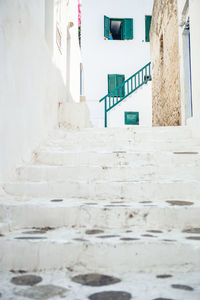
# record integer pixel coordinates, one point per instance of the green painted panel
(114, 80)
(147, 28)
(131, 118)
(106, 27)
(120, 80)
(127, 29)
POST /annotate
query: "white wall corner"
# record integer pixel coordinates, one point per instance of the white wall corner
(74, 115)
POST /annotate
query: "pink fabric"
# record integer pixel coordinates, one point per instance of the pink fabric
(79, 14)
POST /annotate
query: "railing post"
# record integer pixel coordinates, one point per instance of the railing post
(105, 112)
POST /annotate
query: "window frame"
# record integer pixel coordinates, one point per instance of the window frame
(123, 32)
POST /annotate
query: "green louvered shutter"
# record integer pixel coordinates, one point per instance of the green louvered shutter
(131, 118)
(147, 28)
(127, 29)
(120, 80)
(112, 82)
(106, 27)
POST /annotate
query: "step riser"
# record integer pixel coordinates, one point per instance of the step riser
(111, 146)
(137, 133)
(133, 191)
(141, 173)
(116, 159)
(146, 217)
(126, 257)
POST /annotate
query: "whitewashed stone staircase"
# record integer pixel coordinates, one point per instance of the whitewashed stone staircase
(106, 200)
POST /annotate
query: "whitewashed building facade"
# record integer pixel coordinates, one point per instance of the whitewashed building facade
(189, 44)
(115, 45)
(39, 74)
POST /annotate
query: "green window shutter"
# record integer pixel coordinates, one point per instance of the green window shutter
(120, 80)
(114, 81)
(127, 29)
(106, 27)
(131, 118)
(147, 28)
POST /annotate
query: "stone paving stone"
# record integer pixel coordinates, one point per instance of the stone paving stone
(108, 236)
(194, 238)
(180, 203)
(149, 235)
(45, 228)
(182, 287)
(163, 299)
(80, 240)
(129, 239)
(42, 292)
(94, 231)
(186, 152)
(94, 279)
(111, 295)
(57, 200)
(164, 276)
(192, 230)
(154, 231)
(26, 280)
(18, 271)
(30, 238)
(34, 232)
(169, 240)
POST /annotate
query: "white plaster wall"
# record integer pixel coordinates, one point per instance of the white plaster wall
(30, 84)
(183, 14)
(102, 57)
(195, 46)
(140, 101)
(193, 13)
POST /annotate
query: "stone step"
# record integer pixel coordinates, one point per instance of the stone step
(123, 144)
(77, 213)
(124, 133)
(114, 250)
(115, 158)
(68, 284)
(38, 173)
(107, 190)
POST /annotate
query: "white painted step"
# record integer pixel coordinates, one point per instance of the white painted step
(64, 248)
(40, 173)
(115, 158)
(146, 286)
(124, 133)
(77, 213)
(124, 145)
(129, 190)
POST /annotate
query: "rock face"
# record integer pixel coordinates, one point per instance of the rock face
(165, 64)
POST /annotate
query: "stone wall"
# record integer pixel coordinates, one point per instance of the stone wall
(165, 64)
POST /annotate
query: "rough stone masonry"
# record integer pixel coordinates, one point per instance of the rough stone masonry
(165, 64)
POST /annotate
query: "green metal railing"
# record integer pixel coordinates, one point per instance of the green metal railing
(128, 87)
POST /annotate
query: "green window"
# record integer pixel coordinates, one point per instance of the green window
(128, 29)
(131, 118)
(106, 27)
(147, 28)
(118, 29)
(114, 80)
